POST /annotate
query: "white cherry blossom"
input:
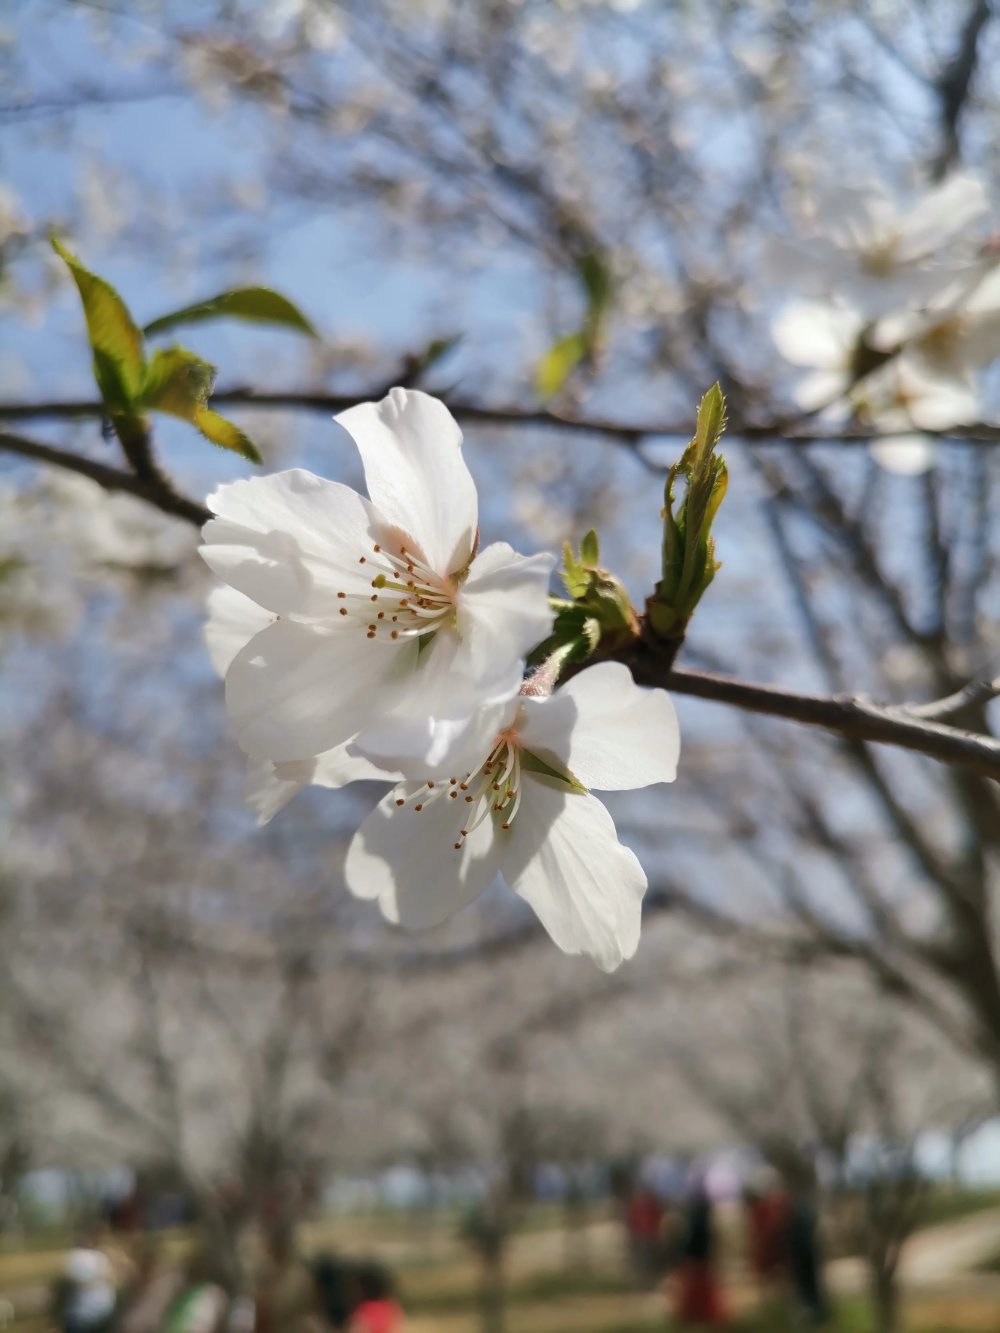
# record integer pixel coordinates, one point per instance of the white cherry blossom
(820, 337)
(386, 628)
(525, 811)
(880, 254)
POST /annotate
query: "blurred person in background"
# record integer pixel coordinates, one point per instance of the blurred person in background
(804, 1254)
(335, 1294)
(643, 1225)
(202, 1305)
(87, 1291)
(377, 1311)
(698, 1296)
(766, 1209)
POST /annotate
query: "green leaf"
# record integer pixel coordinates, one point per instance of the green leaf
(178, 382)
(558, 364)
(595, 275)
(257, 305)
(117, 345)
(688, 561)
(226, 435)
(590, 549)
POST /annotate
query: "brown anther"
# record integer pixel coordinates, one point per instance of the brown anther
(341, 594)
(418, 808)
(377, 549)
(496, 786)
(404, 603)
(469, 800)
(343, 610)
(400, 800)
(374, 596)
(458, 846)
(505, 824)
(380, 616)
(429, 783)
(394, 619)
(372, 629)
(394, 634)
(361, 560)
(465, 833)
(370, 634)
(453, 781)
(464, 786)
(453, 794)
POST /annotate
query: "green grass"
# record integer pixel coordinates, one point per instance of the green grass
(949, 1205)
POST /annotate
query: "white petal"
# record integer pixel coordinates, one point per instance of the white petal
(233, 620)
(502, 612)
(906, 455)
(439, 719)
(291, 541)
(562, 855)
(271, 786)
(816, 334)
(266, 791)
(411, 448)
(407, 859)
(942, 215)
(824, 389)
(295, 692)
(609, 732)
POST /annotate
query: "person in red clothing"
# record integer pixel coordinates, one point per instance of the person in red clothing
(767, 1209)
(376, 1311)
(644, 1222)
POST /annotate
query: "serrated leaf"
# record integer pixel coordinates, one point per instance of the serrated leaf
(115, 340)
(256, 305)
(574, 576)
(590, 549)
(177, 382)
(225, 434)
(558, 364)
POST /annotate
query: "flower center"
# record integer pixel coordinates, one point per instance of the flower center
(407, 597)
(492, 789)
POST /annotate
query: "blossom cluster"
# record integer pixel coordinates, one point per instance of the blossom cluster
(897, 310)
(372, 639)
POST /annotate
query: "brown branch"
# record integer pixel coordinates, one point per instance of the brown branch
(846, 715)
(156, 491)
(954, 87)
(795, 430)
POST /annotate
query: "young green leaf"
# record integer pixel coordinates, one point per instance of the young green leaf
(688, 562)
(590, 549)
(178, 382)
(256, 305)
(558, 364)
(225, 434)
(115, 341)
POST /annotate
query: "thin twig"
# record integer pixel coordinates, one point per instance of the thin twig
(973, 695)
(157, 493)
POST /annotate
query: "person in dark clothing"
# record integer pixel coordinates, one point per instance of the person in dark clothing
(804, 1258)
(699, 1298)
(335, 1287)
